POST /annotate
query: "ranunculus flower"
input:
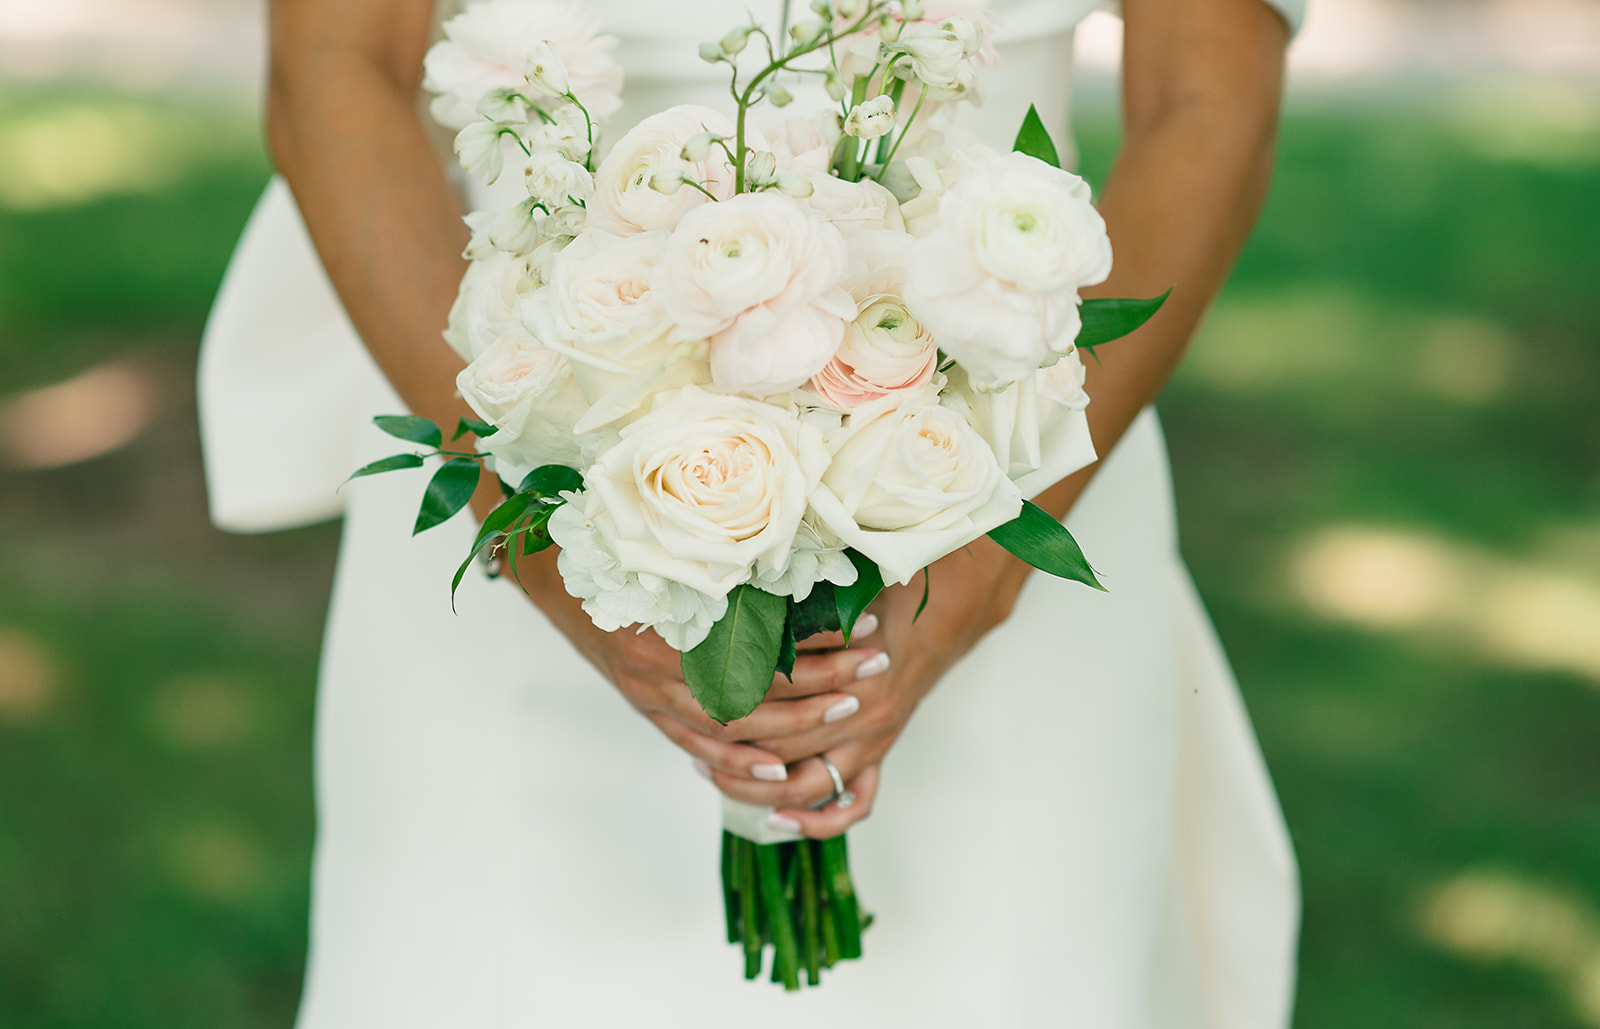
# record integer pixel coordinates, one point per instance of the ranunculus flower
(527, 392)
(910, 482)
(885, 350)
(706, 488)
(757, 276)
(997, 282)
(625, 199)
(852, 207)
(486, 48)
(614, 597)
(1036, 427)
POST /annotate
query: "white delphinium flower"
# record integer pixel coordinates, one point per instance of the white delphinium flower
(555, 181)
(871, 118)
(546, 72)
(516, 229)
(562, 128)
(480, 150)
(486, 48)
(761, 169)
(503, 104)
(615, 598)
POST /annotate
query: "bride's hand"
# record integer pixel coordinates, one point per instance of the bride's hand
(970, 592)
(647, 672)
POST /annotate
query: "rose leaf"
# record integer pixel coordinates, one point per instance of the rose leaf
(729, 673)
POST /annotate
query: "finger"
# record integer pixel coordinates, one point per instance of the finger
(833, 819)
(829, 672)
(736, 761)
(808, 783)
(783, 719)
(865, 626)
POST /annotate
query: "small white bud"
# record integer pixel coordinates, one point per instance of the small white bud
(807, 32)
(547, 72)
(848, 8)
(698, 148)
(479, 150)
(668, 182)
(761, 168)
(779, 96)
(797, 186)
(967, 31)
(832, 84)
(911, 10)
(712, 53)
(822, 8)
(889, 29)
(736, 39)
(870, 118)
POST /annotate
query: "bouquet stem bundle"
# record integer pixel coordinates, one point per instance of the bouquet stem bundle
(796, 897)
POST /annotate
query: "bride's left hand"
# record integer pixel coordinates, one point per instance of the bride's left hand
(970, 592)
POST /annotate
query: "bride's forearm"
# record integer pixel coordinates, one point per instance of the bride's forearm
(1201, 111)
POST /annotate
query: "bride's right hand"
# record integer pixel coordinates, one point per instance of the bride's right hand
(648, 674)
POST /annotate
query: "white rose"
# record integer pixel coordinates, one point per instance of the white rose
(909, 483)
(555, 181)
(614, 598)
(757, 276)
(486, 48)
(601, 311)
(486, 305)
(527, 392)
(625, 200)
(997, 282)
(706, 488)
(1037, 427)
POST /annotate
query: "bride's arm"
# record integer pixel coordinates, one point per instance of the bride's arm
(344, 129)
(1201, 86)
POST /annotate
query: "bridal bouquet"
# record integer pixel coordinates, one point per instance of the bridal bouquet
(749, 367)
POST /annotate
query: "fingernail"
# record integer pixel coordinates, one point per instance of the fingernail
(782, 823)
(866, 625)
(701, 767)
(877, 664)
(770, 773)
(843, 709)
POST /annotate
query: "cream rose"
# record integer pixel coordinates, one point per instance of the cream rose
(486, 305)
(527, 392)
(626, 199)
(910, 482)
(485, 48)
(706, 488)
(758, 276)
(614, 597)
(1037, 427)
(997, 282)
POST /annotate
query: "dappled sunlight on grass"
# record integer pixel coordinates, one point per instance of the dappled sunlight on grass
(89, 415)
(76, 153)
(28, 677)
(1502, 916)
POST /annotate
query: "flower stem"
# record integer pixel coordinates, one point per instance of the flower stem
(902, 137)
(786, 965)
(811, 931)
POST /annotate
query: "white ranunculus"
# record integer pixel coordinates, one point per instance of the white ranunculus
(527, 392)
(1037, 427)
(555, 181)
(910, 482)
(615, 598)
(758, 276)
(885, 350)
(625, 200)
(805, 141)
(486, 48)
(706, 488)
(997, 282)
(853, 207)
(486, 305)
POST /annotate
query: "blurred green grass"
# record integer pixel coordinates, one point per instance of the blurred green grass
(1405, 359)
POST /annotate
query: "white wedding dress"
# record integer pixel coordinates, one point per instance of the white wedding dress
(1076, 829)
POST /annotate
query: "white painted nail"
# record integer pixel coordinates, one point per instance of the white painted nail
(703, 768)
(782, 823)
(877, 664)
(770, 773)
(866, 625)
(843, 709)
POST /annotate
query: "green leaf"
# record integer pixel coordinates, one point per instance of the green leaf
(550, 480)
(461, 571)
(927, 587)
(448, 492)
(730, 672)
(388, 464)
(786, 648)
(1046, 544)
(852, 600)
(1034, 140)
(819, 612)
(1109, 318)
(474, 426)
(410, 427)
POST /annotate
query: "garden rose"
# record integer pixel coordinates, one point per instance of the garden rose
(1037, 427)
(626, 200)
(527, 392)
(997, 282)
(910, 482)
(486, 304)
(758, 276)
(705, 488)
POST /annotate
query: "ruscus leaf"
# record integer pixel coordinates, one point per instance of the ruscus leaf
(410, 427)
(1045, 544)
(448, 492)
(852, 600)
(1034, 140)
(477, 428)
(730, 672)
(388, 464)
(1109, 318)
(549, 480)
